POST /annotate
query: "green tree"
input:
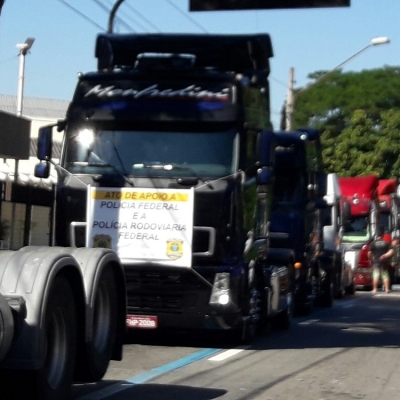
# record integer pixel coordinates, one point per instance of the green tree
(358, 114)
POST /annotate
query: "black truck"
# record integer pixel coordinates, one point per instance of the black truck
(167, 159)
(300, 210)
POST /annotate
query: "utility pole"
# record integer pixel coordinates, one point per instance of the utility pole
(23, 51)
(289, 107)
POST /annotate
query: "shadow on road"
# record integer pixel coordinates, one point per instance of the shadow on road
(360, 321)
(356, 321)
(122, 391)
(190, 338)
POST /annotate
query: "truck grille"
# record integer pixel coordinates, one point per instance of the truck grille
(160, 291)
(155, 303)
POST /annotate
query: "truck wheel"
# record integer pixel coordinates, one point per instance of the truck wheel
(339, 289)
(54, 379)
(351, 289)
(251, 324)
(93, 361)
(283, 320)
(328, 294)
(6, 327)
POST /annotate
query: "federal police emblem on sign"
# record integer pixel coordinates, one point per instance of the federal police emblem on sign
(174, 248)
(102, 240)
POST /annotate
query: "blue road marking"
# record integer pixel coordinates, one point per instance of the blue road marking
(148, 375)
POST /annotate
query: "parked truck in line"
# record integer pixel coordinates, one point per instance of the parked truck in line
(386, 205)
(332, 237)
(389, 220)
(167, 159)
(360, 215)
(303, 210)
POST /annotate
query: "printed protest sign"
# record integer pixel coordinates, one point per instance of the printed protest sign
(142, 225)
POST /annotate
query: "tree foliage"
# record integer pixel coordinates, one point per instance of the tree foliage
(359, 116)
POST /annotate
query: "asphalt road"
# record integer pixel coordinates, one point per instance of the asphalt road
(350, 351)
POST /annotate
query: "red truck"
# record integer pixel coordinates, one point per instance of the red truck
(388, 217)
(360, 206)
(386, 191)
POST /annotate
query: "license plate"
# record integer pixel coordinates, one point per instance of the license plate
(142, 321)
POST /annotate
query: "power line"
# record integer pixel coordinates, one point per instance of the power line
(278, 81)
(187, 16)
(81, 14)
(143, 17)
(129, 18)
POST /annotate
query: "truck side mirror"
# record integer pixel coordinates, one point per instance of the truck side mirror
(266, 148)
(42, 170)
(44, 145)
(321, 181)
(265, 176)
(329, 237)
(346, 211)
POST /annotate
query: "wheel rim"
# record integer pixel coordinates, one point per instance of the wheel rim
(102, 319)
(56, 348)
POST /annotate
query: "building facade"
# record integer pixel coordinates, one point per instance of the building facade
(25, 204)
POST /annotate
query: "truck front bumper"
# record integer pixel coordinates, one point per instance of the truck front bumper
(180, 299)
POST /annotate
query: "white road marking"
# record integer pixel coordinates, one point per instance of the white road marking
(227, 354)
(308, 321)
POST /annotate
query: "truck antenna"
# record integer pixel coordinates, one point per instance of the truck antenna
(112, 15)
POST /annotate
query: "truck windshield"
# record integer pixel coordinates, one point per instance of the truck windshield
(288, 188)
(144, 153)
(355, 229)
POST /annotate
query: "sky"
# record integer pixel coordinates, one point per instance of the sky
(308, 40)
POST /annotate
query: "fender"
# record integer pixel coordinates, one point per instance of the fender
(92, 261)
(28, 273)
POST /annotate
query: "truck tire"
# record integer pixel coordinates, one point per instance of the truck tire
(251, 323)
(6, 327)
(95, 356)
(328, 294)
(351, 289)
(53, 381)
(283, 319)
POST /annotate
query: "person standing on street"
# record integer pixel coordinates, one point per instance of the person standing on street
(380, 254)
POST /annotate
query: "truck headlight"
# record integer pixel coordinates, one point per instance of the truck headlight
(221, 292)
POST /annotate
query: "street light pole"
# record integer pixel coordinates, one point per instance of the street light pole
(23, 50)
(291, 96)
